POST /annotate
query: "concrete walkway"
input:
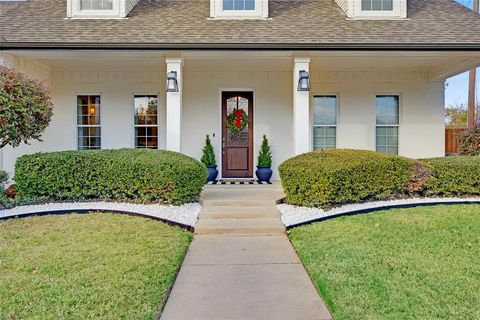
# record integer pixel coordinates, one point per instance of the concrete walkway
(241, 265)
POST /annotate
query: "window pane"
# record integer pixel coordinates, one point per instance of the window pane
(227, 4)
(325, 110)
(146, 110)
(366, 4)
(376, 5)
(324, 138)
(387, 140)
(388, 5)
(249, 4)
(387, 110)
(96, 4)
(240, 5)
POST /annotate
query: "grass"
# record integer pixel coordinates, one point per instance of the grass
(89, 266)
(417, 263)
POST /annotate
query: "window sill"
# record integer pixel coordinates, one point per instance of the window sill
(238, 18)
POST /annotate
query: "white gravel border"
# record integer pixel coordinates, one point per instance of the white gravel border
(295, 216)
(185, 215)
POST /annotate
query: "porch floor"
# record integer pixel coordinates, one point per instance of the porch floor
(241, 264)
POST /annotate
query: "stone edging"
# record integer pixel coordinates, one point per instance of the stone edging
(184, 216)
(297, 216)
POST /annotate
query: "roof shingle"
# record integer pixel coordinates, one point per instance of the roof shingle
(293, 23)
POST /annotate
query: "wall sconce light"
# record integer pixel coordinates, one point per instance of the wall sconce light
(304, 81)
(172, 83)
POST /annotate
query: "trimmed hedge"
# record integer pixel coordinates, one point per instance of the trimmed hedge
(454, 176)
(340, 176)
(135, 175)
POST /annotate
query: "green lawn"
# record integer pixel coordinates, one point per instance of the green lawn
(418, 263)
(92, 266)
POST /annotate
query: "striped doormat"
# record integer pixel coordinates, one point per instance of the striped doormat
(232, 182)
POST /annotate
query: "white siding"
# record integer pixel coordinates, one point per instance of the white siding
(129, 4)
(343, 4)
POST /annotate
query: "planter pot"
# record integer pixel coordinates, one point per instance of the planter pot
(264, 173)
(212, 173)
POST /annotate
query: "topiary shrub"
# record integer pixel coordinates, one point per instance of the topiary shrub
(324, 178)
(25, 108)
(208, 156)
(265, 154)
(143, 176)
(454, 176)
(470, 142)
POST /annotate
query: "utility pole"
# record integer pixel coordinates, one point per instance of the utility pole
(471, 118)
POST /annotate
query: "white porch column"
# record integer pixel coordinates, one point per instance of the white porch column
(174, 107)
(301, 109)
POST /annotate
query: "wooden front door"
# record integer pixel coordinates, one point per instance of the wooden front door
(237, 147)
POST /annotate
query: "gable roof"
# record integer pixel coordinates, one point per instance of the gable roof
(299, 24)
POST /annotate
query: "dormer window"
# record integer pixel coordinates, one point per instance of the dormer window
(238, 5)
(89, 5)
(377, 5)
(374, 9)
(238, 9)
(99, 9)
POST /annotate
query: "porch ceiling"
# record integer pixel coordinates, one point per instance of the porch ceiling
(441, 65)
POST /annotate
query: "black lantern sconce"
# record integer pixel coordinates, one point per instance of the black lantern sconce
(172, 82)
(304, 81)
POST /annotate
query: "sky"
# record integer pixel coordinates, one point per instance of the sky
(456, 91)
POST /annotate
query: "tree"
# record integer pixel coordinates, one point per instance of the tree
(456, 116)
(25, 108)
(208, 157)
(265, 154)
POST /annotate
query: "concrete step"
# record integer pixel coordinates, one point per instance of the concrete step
(230, 212)
(249, 187)
(240, 226)
(238, 202)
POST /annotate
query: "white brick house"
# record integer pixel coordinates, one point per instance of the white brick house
(376, 71)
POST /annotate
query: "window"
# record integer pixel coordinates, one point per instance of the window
(88, 122)
(238, 4)
(324, 122)
(96, 9)
(377, 5)
(96, 4)
(239, 9)
(146, 121)
(388, 120)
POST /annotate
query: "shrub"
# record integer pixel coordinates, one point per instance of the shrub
(454, 176)
(470, 142)
(265, 154)
(3, 179)
(25, 108)
(208, 157)
(4, 201)
(339, 176)
(125, 175)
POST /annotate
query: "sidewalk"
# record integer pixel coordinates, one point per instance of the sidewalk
(241, 265)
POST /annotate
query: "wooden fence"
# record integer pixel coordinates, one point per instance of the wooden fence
(452, 144)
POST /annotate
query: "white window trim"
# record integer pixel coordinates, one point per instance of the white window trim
(337, 110)
(74, 11)
(217, 12)
(77, 125)
(149, 125)
(399, 11)
(400, 118)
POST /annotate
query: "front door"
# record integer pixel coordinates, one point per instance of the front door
(237, 134)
